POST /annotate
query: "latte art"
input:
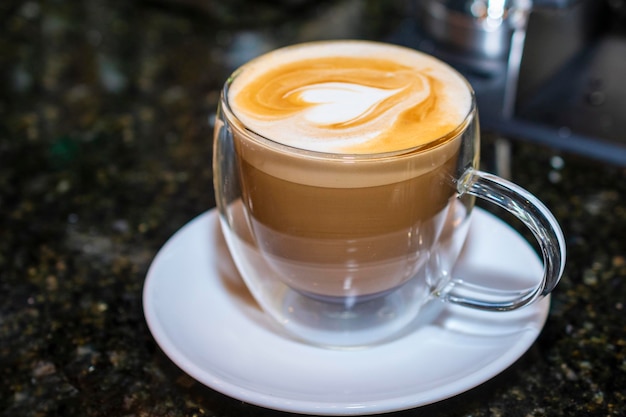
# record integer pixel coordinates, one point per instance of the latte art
(350, 97)
(340, 104)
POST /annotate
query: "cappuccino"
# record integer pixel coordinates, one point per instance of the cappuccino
(346, 152)
(345, 174)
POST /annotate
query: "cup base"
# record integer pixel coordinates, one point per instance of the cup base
(332, 321)
(347, 301)
(345, 322)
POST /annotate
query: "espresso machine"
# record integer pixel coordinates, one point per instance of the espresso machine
(548, 71)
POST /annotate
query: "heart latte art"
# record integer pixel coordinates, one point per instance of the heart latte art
(350, 97)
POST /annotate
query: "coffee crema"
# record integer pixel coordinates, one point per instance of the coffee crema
(350, 97)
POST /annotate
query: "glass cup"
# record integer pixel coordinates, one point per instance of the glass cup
(344, 250)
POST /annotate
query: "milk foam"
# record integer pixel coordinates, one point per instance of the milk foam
(350, 97)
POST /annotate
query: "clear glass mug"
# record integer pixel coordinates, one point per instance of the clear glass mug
(344, 250)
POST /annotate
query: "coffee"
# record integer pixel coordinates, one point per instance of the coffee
(346, 154)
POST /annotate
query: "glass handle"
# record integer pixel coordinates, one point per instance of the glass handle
(537, 218)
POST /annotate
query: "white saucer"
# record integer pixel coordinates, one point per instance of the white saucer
(204, 319)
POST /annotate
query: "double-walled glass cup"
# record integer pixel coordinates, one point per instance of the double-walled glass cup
(344, 250)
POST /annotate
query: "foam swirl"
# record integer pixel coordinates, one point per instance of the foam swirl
(349, 97)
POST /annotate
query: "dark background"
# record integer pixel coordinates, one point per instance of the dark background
(105, 151)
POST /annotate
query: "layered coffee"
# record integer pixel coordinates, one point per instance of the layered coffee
(346, 151)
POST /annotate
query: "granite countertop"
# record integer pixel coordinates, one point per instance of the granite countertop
(105, 151)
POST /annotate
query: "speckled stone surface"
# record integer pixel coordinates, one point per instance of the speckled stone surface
(105, 151)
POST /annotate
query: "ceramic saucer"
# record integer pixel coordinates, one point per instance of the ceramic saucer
(201, 314)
